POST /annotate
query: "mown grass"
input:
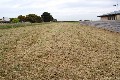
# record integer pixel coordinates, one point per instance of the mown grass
(59, 51)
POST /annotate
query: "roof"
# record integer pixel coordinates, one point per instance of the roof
(110, 14)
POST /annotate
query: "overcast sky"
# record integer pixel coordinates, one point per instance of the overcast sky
(59, 9)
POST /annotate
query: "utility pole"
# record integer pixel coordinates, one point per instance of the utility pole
(117, 8)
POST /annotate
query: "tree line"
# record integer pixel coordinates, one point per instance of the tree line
(33, 18)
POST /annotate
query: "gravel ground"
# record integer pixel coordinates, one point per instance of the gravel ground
(107, 25)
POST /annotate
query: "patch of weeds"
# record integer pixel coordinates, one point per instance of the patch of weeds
(5, 49)
(7, 26)
(17, 67)
(3, 73)
(1, 35)
(1, 56)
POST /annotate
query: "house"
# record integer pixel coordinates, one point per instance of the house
(5, 20)
(110, 16)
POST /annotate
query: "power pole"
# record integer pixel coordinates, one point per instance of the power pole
(117, 8)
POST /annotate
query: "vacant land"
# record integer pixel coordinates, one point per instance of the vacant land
(59, 51)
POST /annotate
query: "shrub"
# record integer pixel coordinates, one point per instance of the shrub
(15, 20)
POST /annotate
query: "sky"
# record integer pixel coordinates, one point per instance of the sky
(62, 10)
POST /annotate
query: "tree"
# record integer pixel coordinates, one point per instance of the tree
(22, 18)
(11, 19)
(33, 18)
(47, 17)
(15, 20)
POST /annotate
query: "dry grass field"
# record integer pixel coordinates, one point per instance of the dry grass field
(59, 51)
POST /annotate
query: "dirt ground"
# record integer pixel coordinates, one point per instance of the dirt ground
(59, 51)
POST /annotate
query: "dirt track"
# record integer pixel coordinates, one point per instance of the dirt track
(59, 51)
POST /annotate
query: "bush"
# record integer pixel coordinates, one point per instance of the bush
(15, 20)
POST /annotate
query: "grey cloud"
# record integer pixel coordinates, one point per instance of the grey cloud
(61, 9)
(88, 4)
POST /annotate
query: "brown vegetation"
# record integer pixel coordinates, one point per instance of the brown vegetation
(59, 51)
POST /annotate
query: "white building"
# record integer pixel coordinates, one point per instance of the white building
(5, 20)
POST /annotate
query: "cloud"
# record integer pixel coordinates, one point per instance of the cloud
(60, 9)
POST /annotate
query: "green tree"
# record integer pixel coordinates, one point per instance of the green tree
(11, 19)
(33, 18)
(22, 18)
(15, 20)
(47, 17)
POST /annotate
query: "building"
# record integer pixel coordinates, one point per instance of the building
(5, 20)
(110, 16)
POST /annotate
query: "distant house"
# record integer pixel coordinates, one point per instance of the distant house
(5, 20)
(110, 16)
